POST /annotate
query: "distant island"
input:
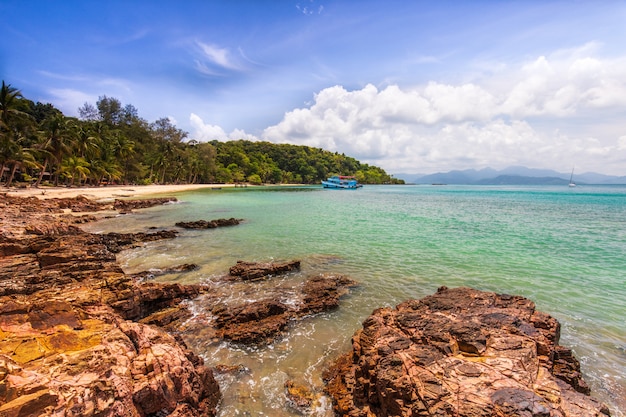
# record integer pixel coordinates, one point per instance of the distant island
(515, 175)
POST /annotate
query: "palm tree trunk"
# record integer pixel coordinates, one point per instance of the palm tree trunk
(10, 180)
(43, 170)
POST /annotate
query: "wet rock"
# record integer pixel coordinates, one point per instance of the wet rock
(261, 321)
(301, 397)
(70, 340)
(460, 352)
(127, 206)
(157, 272)
(322, 292)
(262, 270)
(252, 323)
(116, 242)
(209, 224)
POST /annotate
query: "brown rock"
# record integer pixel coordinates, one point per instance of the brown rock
(67, 346)
(263, 320)
(322, 292)
(459, 352)
(129, 205)
(301, 397)
(116, 242)
(261, 270)
(209, 224)
(156, 272)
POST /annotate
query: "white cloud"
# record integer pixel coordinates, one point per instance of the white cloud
(203, 132)
(238, 134)
(549, 112)
(68, 100)
(221, 57)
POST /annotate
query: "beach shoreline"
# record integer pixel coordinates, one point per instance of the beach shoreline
(106, 192)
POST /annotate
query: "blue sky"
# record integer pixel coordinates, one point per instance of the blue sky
(412, 86)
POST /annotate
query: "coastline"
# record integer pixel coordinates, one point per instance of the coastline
(106, 192)
(79, 264)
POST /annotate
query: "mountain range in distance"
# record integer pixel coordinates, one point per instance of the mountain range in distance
(515, 175)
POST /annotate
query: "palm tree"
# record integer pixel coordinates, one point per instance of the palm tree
(58, 132)
(8, 127)
(87, 143)
(21, 157)
(75, 167)
(8, 101)
(123, 149)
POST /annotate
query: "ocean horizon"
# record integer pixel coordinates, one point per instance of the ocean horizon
(563, 248)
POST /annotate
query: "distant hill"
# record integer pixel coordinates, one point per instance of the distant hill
(515, 175)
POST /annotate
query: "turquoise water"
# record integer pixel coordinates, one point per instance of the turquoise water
(563, 248)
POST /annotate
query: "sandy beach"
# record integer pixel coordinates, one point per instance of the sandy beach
(106, 192)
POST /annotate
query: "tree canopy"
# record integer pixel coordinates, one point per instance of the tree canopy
(110, 143)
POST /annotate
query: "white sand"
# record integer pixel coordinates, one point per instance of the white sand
(106, 192)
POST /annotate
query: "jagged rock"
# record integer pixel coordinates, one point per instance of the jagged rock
(252, 323)
(48, 218)
(262, 321)
(209, 224)
(129, 205)
(80, 204)
(460, 352)
(116, 242)
(261, 270)
(96, 364)
(322, 292)
(156, 272)
(67, 345)
(301, 397)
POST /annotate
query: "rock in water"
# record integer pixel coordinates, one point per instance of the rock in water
(259, 270)
(462, 353)
(209, 224)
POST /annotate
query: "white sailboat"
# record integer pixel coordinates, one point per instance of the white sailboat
(571, 179)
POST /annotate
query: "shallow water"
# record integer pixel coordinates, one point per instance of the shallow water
(563, 248)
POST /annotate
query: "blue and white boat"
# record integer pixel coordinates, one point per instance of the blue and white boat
(342, 181)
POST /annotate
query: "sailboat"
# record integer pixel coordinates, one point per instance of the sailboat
(571, 179)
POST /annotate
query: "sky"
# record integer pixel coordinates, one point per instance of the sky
(410, 86)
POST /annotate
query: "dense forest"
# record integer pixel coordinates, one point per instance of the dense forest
(110, 144)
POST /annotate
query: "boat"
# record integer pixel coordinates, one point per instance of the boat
(571, 179)
(347, 182)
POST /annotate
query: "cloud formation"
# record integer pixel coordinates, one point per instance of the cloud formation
(213, 57)
(538, 114)
(205, 132)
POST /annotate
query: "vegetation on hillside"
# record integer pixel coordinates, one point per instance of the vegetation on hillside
(110, 143)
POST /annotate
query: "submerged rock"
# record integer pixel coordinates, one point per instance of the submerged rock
(264, 315)
(460, 352)
(209, 224)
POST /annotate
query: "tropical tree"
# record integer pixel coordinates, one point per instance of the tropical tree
(75, 168)
(9, 113)
(57, 134)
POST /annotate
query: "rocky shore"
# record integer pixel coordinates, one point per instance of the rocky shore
(79, 337)
(460, 353)
(71, 340)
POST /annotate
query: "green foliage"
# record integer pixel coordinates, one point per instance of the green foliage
(110, 143)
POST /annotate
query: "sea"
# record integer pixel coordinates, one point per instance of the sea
(564, 248)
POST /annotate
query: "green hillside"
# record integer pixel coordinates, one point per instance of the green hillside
(109, 143)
